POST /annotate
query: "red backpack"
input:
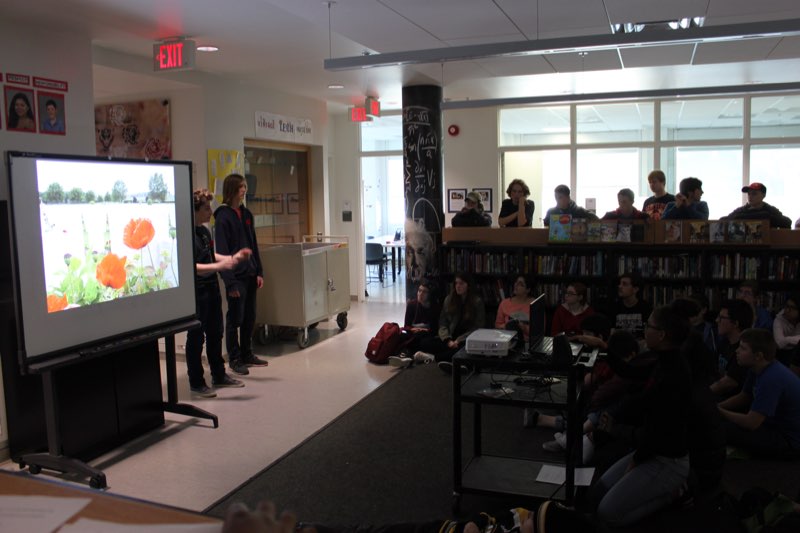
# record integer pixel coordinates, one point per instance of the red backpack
(384, 344)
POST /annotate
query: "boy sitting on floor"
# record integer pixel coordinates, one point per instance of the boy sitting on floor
(764, 418)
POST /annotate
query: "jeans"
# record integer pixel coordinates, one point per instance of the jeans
(627, 498)
(240, 321)
(209, 310)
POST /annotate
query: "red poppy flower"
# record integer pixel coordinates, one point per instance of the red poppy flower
(111, 271)
(138, 233)
(56, 303)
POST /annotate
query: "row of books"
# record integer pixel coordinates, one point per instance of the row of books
(566, 265)
(492, 292)
(734, 266)
(783, 269)
(466, 260)
(663, 267)
(564, 228)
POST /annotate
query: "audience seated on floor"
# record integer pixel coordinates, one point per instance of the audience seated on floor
(764, 417)
(570, 313)
(421, 322)
(734, 317)
(748, 291)
(514, 311)
(786, 326)
(630, 312)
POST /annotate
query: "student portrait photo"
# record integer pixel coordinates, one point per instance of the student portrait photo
(20, 113)
(51, 113)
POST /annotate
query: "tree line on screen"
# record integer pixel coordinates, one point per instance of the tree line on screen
(55, 193)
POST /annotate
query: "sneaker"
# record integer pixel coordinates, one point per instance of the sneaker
(423, 358)
(398, 361)
(252, 360)
(228, 381)
(529, 417)
(445, 366)
(552, 446)
(203, 392)
(238, 367)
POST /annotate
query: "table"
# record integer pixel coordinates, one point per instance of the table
(489, 474)
(103, 506)
(396, 246)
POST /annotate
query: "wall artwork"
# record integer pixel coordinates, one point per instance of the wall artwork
(20, 109)
(486, 198)
(273, 204)
(139, 130)
(52, 115)
(455, 199)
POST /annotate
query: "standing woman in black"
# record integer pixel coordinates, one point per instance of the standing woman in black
(234, 230)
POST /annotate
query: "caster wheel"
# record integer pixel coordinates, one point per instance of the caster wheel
(302, 338)
(313, 326)
(97, 482)
(341, 321)
(34, 469)
(22, 465)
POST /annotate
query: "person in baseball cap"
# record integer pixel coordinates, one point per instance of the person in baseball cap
(757, 209)
(472, 214)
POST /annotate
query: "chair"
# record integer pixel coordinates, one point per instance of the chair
(375, 258)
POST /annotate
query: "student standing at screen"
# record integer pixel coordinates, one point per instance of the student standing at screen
(209, 303)
(234, 230)
(517, 210)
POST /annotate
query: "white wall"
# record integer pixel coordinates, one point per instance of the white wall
(26, 50)
(471, 158)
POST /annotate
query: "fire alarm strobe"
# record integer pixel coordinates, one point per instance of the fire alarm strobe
(453, 130)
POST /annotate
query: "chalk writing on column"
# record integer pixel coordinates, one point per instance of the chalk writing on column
(421, 146)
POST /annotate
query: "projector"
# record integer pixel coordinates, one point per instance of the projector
(490, 342)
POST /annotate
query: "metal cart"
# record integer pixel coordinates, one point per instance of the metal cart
(304, 283)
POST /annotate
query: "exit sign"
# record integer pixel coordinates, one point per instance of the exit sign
(174, 55)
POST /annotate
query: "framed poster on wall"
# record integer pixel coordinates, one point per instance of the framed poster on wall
(455, 199)
(486, 198)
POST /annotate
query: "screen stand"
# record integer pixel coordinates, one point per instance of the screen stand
(172, 405)
(53, 460)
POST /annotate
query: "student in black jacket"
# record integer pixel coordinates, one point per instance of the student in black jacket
(757, 209)
(652, 476)
(234, 230)
(472, 214)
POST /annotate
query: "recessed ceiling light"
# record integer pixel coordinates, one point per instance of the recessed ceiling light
(208, 48)
(335, 86)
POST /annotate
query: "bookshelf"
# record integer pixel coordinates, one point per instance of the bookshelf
(668, 269)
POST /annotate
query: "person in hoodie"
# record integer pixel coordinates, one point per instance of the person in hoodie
(233, 231)
(626, 210)
(472, 214)
(566, 206)
(687, 204)
(756, 208)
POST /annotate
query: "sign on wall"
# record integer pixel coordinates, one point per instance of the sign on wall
(281, 128)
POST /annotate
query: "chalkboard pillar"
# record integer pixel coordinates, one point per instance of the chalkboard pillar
(422, 162)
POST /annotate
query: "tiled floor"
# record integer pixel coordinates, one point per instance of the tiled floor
(189, 464)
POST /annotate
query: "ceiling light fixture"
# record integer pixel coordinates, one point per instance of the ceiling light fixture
(679, 24)
(208, 49)
(560, 45)
(335, 86)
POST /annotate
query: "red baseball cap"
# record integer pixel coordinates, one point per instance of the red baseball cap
(755, 186)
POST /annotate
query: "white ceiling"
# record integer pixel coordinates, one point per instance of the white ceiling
(282, 44)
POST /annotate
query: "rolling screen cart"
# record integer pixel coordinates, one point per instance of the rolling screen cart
(304, 283)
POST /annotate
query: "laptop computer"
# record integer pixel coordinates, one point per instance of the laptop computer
(556, 351)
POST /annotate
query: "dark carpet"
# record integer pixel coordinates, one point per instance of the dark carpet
(389, 459)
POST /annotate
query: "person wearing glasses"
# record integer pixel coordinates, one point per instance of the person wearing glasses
(517, 211)
(568, 316)
(651, 477)
(734, 317)
(514, 311)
